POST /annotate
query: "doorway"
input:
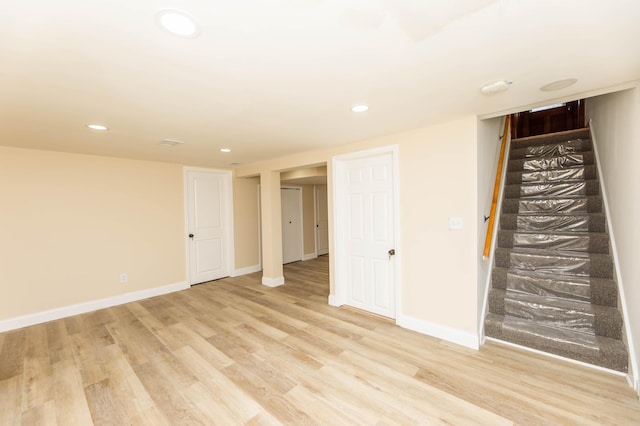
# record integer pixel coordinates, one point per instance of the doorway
(209, 236)
(365, 229)
(291, 201)
(322, 220)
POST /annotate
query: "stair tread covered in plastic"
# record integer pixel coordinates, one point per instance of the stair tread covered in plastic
(552, 286)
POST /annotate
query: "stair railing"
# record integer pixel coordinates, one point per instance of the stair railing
(496, 190)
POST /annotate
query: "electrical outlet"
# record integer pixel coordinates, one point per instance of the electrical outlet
(124, 277)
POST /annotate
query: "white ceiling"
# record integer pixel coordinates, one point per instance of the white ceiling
(268, 78)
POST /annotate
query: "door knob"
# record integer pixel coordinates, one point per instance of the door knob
(190, 235)
(392, 252)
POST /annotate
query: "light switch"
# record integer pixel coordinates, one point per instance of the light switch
(456, 223)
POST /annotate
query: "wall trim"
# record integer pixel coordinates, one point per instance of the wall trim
(309, 256)
(453, 335)
(246, 270)
(633, 360)
(272, 282)
(90, 306)
(335, 301)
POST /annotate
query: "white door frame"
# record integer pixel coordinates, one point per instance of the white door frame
(301, 211)
(227, 211)
(315, 216)
(340, 215)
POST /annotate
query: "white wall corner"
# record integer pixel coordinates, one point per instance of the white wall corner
(335, 301)
(246, 270)
(309, 256)
(633, 357)
(453, 335)
(272, 282)
(82, 308)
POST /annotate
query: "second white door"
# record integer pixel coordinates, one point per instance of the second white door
(291, 224)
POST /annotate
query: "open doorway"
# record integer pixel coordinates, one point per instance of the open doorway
(312, 182)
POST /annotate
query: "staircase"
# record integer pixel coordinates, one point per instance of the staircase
(552, 286)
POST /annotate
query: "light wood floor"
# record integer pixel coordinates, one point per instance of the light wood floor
(233, 352)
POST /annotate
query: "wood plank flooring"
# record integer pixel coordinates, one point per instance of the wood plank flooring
(236, 352)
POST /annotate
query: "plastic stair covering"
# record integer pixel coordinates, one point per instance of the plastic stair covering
(548, 285)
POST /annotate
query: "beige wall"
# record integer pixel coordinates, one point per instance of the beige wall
(72, 223)
(438, 179)
(245, 222)
(308, 220)
(616, 125)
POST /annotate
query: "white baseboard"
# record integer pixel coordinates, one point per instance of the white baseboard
(94, 305)
(272, 282)
(246, 270)
(334, 301)
(309, 256)
(449, 334)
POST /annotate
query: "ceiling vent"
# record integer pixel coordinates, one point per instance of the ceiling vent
(170, 142)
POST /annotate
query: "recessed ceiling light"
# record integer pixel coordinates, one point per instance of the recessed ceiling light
(360, 108)
(495, 87)
(560, 84)
(97, 126)
(225, 150)
(177, 23)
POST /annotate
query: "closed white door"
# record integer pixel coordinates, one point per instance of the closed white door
(291, 199)
(322, 220)
(366, 215)
(208, 225)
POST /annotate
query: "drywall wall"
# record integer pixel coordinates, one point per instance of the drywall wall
(489, 143)
(438, 172)
(71, 224)
(616, 125)
(437, 180)
(246, 222)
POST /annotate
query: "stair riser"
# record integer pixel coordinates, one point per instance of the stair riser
(530, 223)
(591, 204)
(520, 143)
(607, 323)
(611, 353)
(572, 189)
(592, 243)
(594, 266)
(522, 164)
(571, 147)
(516, 178)
(598, 291)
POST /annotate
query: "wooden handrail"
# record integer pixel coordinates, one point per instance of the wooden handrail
(496, 190)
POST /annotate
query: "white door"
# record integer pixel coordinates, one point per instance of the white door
(322, 220)
(291, 199)
(208, 225)
(366, 233)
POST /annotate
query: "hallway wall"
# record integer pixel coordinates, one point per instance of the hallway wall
(616, 125)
